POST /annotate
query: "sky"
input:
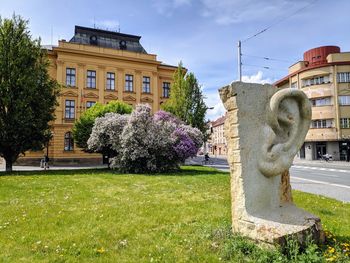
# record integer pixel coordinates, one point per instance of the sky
(203, 34)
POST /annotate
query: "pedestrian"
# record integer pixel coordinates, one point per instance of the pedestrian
(46, 162)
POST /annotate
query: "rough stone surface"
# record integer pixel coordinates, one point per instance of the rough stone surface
(265, 127)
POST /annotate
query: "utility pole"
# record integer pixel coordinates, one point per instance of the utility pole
(239, 61)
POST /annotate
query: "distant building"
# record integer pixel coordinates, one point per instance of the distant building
(324, 75)
(217, 142)
(99, 66)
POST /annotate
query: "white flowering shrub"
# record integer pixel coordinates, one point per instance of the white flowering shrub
(142, 143)
(105, 135)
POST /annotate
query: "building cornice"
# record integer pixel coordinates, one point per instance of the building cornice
(109, 56)
(286, 78)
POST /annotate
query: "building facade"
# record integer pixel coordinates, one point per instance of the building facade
(217, 141)
(324, 75)
(99, 66)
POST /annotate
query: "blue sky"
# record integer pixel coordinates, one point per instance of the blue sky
(202, 33)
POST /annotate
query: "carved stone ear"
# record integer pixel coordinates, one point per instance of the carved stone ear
(288, 120)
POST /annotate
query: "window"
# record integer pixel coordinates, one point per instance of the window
(146, 85)
(343, 77)
(344, 100)
(129, 83)
(319, 124)
(166, 89)
(344, 122)
(70, 77)
(89, 104)
(294, 85)
(70, 109)
(321, 102)
(91, 79)
(68, 142)
(110, 81)
(316, 81)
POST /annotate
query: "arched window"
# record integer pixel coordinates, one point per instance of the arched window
(68, 142)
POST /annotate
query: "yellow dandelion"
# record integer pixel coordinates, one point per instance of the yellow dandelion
(331, 250)
(101, 250)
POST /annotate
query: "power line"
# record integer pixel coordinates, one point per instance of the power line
(279, 21)
(267, 58)
(256, 66)
(263, 67)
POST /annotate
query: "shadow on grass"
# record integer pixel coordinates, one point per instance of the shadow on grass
(56, 172)
(193, 170)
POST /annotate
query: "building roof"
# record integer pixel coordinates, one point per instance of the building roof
(219, 121)
(313, 59)
(108, 39)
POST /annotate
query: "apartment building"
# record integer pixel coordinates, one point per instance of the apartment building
(99, 66)
(324, 75)
(217, 142)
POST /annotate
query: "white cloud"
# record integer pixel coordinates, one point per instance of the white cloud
(257, 78)
(218, 111)
(213, 98)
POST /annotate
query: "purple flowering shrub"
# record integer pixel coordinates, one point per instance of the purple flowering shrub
(143, 143)
(163, 116)
(183, 146)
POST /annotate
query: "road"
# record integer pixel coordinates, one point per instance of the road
(328, 179)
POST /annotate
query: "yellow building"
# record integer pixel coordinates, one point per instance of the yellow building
(99, 66)
(324, 75)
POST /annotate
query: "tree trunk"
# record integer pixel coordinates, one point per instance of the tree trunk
(8, 161)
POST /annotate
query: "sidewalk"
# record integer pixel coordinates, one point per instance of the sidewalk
(318, 163)
(301, 162)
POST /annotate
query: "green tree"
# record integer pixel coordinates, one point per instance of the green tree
(186, 100)
(27, 93)
(177, 102)
(196, 108)
(82, 128)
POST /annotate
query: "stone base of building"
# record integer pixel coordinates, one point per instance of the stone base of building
(60, 161)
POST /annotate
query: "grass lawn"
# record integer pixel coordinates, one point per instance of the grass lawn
(100, 216)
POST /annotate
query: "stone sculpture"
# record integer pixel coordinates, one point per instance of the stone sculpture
(264, 128)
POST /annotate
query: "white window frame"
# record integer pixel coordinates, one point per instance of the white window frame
(110, 81)
(322, 124)
(344, 100)
(343, 77)
(344, 123)
(70, 77)
(91, 79)
(325, 101)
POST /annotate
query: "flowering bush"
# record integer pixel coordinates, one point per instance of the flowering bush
(142, 143)
(105, 135)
